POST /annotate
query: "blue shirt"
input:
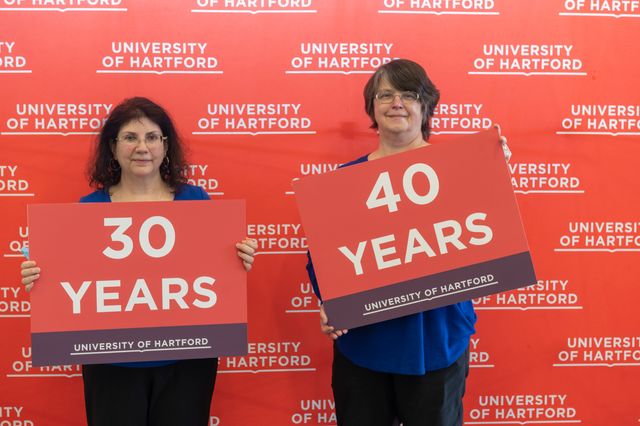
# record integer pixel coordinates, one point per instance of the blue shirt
(414, 344)
(183, 192)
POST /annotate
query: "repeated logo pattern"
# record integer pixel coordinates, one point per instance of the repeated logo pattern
(265, 92)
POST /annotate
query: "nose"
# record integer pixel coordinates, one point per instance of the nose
(397, 101)
(141, 145)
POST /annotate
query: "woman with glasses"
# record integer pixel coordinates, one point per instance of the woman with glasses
(139, 157)
(412, 369)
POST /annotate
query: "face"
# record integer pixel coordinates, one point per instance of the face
(398, 118)
(140, 149)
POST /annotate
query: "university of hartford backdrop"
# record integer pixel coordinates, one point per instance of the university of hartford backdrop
(268, 91)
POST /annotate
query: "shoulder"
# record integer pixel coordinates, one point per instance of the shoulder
(191, 192)
(362, 159)
(99, 196)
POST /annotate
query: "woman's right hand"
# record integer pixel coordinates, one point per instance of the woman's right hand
(30, 273)
(326, 328)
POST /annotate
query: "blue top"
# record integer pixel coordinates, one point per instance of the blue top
(414, 344)
(184, 192)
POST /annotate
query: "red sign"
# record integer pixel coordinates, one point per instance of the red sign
(126, 282)
(415, 231)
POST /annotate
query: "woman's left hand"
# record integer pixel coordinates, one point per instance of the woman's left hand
(246, 250)
(503, 141)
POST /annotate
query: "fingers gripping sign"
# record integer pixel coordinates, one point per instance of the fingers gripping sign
(246, 252)
(327, 329)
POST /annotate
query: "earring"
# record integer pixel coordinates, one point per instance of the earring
(164, 167)
(114, 166)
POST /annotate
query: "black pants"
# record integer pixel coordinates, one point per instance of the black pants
(368, 398)
(175, 394)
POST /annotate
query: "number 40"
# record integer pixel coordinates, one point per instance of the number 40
(382, 193)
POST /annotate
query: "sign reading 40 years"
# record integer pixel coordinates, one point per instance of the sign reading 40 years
(415, 231)
(124, 282)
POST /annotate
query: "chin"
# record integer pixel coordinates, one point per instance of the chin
(396, 131)
(144, 172)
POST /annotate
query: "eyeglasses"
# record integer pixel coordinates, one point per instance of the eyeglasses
(150, 139)
(388, 96)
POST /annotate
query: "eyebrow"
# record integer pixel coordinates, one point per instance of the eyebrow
(128, 132)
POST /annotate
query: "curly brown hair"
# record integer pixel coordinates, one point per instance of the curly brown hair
(103, 175)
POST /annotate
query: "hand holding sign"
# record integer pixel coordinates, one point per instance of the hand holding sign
(148, 278)
(246, 250)
(414, 231)
(30, 273)
(327, 329)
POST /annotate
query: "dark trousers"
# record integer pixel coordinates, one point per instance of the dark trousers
(368, 398)
(175, 394)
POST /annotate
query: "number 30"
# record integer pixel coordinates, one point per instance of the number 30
(119, 236)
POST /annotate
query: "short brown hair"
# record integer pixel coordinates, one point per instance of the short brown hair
(405, 75)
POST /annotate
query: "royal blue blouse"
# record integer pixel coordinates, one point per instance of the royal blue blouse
(414, 344)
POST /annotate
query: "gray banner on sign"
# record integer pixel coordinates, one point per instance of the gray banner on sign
(138, 344)
(432, 291)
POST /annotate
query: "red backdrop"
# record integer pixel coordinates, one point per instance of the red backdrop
(267, 91)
